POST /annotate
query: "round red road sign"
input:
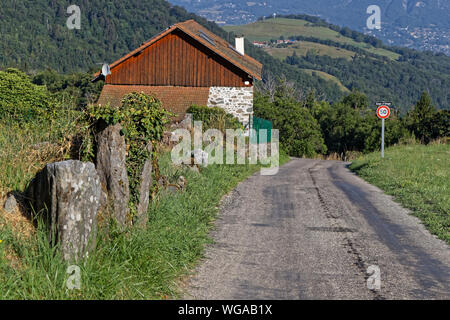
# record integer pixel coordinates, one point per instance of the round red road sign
(383, 112)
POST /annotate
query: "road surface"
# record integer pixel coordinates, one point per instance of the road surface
(311, 232)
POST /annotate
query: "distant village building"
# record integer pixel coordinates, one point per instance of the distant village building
(260, 44)
(284, 41)
(185, 65)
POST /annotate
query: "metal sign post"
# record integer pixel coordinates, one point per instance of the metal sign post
(382, 137)
(383, 112)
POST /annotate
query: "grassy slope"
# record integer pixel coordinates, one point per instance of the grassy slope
(418, 177)
(305, 46)
(274, 28)
(327, 76)
(134, 265)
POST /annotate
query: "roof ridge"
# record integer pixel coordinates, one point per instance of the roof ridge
(183, 26)
(225, 55)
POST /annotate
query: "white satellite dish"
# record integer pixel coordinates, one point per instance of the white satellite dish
(105, 70)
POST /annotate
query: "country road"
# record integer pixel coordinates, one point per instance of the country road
(311, 232)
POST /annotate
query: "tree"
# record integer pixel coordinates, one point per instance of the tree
(356, 100)
(22, 100)
(421, 118)
(300, 133)
(441, 123)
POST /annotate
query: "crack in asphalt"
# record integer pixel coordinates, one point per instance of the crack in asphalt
(359, 261)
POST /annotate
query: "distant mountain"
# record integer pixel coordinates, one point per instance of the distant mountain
(34, 36)
(423, 25)
(353, 60)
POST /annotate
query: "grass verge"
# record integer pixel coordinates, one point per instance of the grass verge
(418, 177)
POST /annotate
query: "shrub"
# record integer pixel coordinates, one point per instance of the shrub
(441, 122)
(300, 133)
(76, 89)
(356, 100)
(349, 128)
(214, 118)
(421, 119)
(22, 100)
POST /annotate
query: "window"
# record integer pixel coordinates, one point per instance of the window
(208, 39)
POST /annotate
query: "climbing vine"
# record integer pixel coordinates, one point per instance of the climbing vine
(142, 118)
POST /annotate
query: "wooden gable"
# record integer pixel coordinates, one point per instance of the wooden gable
(176, 59)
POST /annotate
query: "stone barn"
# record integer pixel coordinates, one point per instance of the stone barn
(185, 65)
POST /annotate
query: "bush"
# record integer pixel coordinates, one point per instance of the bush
(22, 100)
(300, 134)
(76, 89)
(214, 118)
(421, 119)
(441, 122)
(356, 100)
(351, 126)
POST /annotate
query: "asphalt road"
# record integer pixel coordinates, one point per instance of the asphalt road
(311, 232)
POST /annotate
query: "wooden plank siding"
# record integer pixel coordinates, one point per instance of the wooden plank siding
(178, 60)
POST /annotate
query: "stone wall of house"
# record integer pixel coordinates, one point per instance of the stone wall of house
(237, 101)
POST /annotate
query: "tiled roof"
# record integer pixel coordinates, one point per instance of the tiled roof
(202, 35)
(221, 47)
(175, 99)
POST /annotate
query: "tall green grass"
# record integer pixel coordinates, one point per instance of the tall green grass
(25, 146)
(418, 176)
(132, 264)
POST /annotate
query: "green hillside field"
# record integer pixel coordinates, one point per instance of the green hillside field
(266, 30)
(302, 48)
(327, 77)
(353, 60)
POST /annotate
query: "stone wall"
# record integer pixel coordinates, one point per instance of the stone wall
(237, 101)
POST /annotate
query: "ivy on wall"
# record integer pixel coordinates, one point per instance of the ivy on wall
(143, 119)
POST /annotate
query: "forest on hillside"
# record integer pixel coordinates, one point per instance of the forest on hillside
(35, 37)
(423, 25)
(383, 79)
(400, 77)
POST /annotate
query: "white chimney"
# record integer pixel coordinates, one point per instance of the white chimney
(239, 45)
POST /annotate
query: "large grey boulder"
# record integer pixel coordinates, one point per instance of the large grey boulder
(10, 204)
(111, 168)
(146, 181)
(66, 195)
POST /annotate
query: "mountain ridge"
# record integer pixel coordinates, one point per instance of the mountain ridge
(35, 37)
(423, 25)
(358, 61)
